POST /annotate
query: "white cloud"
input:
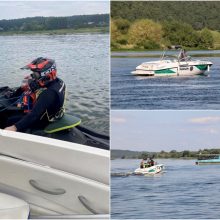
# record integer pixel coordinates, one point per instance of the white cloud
(209, 130)
(205, 120)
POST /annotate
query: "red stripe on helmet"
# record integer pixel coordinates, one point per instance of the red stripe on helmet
(41, 65)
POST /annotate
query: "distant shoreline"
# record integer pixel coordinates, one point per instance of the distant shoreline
(158, 56)
(173, 154)
(95, 30)
(143, 50)
(159, 158)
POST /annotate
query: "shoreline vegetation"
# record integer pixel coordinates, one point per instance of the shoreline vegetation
(158, 25)
(55, 25)
(173, 154)
(157, 56)
(101, 30)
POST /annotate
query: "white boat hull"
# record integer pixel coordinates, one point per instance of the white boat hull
(13, 208)
(172, 68)
(54, 177)
(49, 191)
(150, 170)
(85, 161)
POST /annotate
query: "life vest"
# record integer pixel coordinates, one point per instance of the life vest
(29, 98)
(27, 101)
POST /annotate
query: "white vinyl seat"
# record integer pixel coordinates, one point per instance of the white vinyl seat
(13, 208)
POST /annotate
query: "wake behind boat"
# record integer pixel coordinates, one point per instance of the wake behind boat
(180, 65)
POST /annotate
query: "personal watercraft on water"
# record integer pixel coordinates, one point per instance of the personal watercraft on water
(43, 177)
(67, 128)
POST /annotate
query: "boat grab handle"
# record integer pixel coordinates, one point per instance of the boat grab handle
(56, 191)
(86, 204)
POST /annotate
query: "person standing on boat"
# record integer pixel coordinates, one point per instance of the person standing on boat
(41, 99)
(182, 56)
(142, 164)
(151, 162)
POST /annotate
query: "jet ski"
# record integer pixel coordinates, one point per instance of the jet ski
(68, 128)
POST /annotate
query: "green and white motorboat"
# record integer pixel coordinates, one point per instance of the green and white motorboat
(180, 65)
(158, 168)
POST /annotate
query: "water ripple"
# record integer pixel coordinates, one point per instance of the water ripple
(82, 61)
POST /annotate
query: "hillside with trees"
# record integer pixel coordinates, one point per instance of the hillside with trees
(54, 23)
(156, 25)
(126, 154)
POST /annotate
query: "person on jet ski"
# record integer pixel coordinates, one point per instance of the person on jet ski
(41, 99)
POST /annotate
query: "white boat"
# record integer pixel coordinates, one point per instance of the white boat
(57, 179)
(180, 65)
(158, 168)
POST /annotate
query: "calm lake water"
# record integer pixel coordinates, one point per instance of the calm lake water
(141, 92)
(184, 191)
(82, 62)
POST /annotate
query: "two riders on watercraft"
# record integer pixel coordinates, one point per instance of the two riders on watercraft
(41, 97)
(147, 163)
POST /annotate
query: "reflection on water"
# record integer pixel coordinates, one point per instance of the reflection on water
(138, 92)
(184, 191)
(82, 62)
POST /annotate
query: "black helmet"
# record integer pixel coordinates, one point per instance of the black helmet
(44, 70)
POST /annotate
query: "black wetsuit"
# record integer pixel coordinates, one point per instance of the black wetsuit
(49, 103)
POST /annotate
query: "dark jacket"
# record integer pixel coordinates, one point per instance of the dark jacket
(48, 106)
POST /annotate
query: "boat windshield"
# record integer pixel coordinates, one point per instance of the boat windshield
(179, 55)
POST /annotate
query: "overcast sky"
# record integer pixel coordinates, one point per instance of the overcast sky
(22, 9)
(165, 130)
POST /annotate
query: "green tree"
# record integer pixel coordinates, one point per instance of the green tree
(198, 14)
(122, 25)
(144, 156)
(206, 39)
(114, 31)
(174, 154)
(178, 33)
(214, 151)
(143, 33)
(186, 153)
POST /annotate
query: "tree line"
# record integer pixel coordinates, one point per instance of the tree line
(155, 25)
(148, 34)
(54, 23)
(199, 14)
(125, 154)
